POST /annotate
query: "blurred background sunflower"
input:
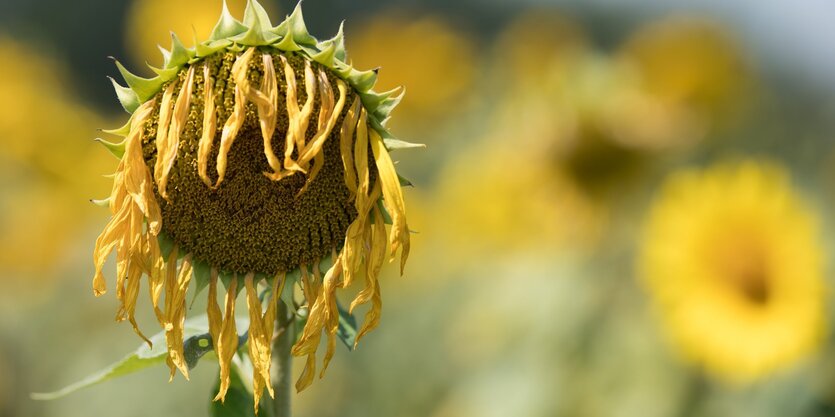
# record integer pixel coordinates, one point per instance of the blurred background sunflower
(623, 210)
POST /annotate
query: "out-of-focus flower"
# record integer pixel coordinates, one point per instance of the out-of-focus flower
(535, 45)
(734, 263)
(603, 115)
(692, 63)
(505, 198)
(44, 164)
(434, 61)
(258, 155)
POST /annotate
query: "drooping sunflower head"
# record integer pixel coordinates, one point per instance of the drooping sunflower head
(257, 155)
(733, 260)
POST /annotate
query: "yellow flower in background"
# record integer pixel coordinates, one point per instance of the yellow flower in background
(604, 115)
(732, 258)
(505, 199)
(692, 62)
(536, 45)
(400, 44)
(44, 165)
(259, 156)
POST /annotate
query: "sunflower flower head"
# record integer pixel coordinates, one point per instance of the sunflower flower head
(257, 157)
(733, 261)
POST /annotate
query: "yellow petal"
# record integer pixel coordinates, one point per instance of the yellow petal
(233, 124)
(392, 198)
(227, 343)
(175, 315)
(209, 127)
(178, 122)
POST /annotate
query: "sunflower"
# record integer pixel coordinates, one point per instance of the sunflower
(732, 259)
(258, 156)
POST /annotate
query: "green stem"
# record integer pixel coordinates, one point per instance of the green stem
(283, 362)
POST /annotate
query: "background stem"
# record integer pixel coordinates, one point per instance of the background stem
(283, 362)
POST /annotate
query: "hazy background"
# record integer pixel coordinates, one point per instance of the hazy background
(520, 297)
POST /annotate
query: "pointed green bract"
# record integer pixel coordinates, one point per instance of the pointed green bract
(179, 54)
(326, 56)
(295, 27)
(144, 88)
(117, 149)
(291, 35)
(127, 98)
(227, 26)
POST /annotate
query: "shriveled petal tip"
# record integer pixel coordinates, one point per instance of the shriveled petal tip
(227, 340)
(392, 198)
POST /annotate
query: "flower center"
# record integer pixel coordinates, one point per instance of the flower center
(251, 223)
(746, 271)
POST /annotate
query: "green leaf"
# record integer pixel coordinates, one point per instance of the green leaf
(347, 331)
(195, 330)
(239, 401)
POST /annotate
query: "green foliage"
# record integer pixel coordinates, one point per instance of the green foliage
(238, 402)
(195, 346)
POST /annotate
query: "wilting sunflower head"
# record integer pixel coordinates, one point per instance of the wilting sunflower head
(257, 155)
(733, 260)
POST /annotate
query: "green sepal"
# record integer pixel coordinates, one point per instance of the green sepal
(195, 329)
(294, 26)
(256, 17)
(166, 55)
(338, 42)
(122, 131)
(180, 55)
(226, 278)
(342, 69)
(166, 245)
(117, 149)
(347, 331)
(255, 37)
(326, 56)
(373, 100)
(391, 142)
(127, 98)
(144, 88)
(210, 47)
(363, 81)
(287, 293)
(165, 74)
(404, 182)
(287, 44)
(104, 202)
(388, 104)
(258, 25)
(202, 273)
(386, 215)
(227, 26)
(239, 401)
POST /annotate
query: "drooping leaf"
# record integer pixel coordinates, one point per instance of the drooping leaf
(144, 357)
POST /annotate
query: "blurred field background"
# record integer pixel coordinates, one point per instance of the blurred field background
(552, 128)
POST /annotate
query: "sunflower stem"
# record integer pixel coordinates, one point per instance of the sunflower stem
(283, 362)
